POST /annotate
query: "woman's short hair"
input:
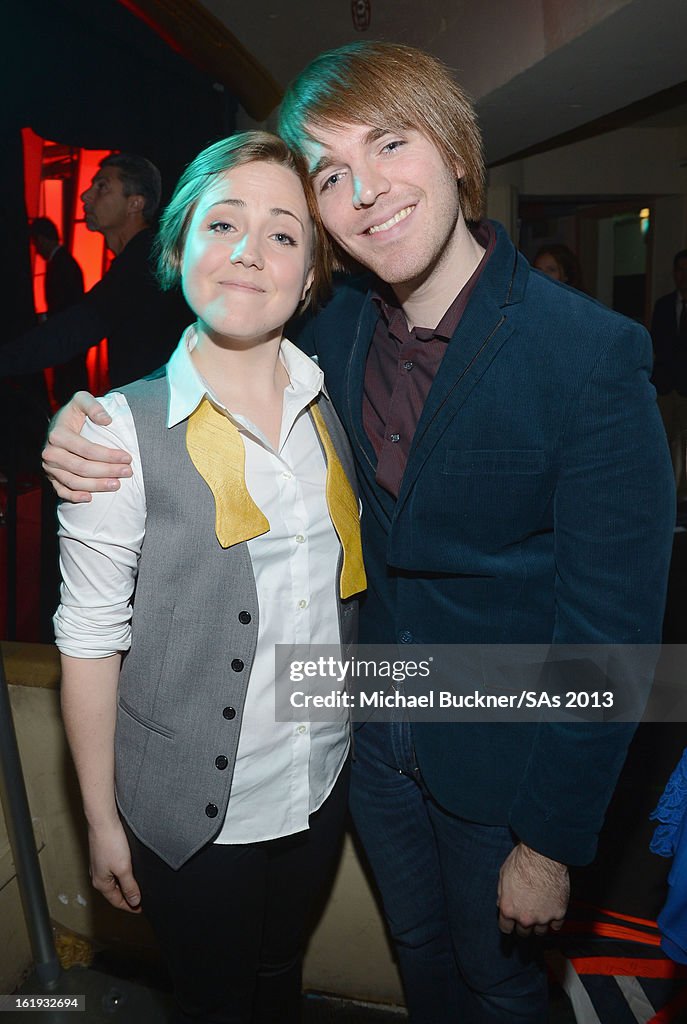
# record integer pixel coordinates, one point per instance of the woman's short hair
(243, 148)
(390, 87)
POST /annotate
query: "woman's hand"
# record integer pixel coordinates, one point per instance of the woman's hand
(111, 870)
(75, 466)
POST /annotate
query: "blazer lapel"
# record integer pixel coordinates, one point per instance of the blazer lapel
(483, 329)
(354, 378)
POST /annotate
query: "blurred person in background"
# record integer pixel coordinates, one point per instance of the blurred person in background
(63, 288)
(560, 263)
(127, 307)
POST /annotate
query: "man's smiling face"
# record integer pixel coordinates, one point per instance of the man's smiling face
(387, 198)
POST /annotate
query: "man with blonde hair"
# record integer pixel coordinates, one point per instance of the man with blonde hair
(516, 489)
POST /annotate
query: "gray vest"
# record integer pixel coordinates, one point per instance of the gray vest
(183, 684)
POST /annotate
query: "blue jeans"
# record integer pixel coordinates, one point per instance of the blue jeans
(438, 875)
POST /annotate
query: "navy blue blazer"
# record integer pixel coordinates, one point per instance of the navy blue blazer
(537, 506)
(670, 350)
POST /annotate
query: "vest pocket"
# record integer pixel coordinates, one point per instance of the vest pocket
(146, 722)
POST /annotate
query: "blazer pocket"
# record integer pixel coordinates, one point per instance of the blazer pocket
(484, 502)
(499, 462)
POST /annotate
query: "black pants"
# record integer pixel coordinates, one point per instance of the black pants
(233, 921)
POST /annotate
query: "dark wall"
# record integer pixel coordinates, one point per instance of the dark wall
(92, 75)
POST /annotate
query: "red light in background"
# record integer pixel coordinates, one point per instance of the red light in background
(88, 247)
(50, 205)
(45, 197)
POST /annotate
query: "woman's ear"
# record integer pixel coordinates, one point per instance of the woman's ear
(307, 284)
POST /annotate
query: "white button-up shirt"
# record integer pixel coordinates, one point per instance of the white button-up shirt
(284, 770)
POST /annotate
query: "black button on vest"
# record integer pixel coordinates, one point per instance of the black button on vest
(237, 665)
(245, 617)
(211, 810)
(229, 713)
(221, 762)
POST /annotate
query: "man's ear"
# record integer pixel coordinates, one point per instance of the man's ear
(135, 204)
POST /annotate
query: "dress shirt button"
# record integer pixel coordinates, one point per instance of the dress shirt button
(408, 364)
(394, 438)
(245, 617)
(212, 810)
(301, 729)
(229, 713)
(405, 636)
(300, 539)
(302, 603)
(286, 475)
(221, 762)
(237, 665)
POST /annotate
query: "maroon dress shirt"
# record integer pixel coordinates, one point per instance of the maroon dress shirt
(401, 366)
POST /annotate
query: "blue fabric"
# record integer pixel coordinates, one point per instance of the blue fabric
(670, 839)
(438, 877)
(671, 811)
(672, 920)
(537, 506)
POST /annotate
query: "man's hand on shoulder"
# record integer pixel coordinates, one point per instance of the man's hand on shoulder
(76, 467)
(533, 892)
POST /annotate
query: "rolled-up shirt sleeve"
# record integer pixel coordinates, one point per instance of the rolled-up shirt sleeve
(100, 545)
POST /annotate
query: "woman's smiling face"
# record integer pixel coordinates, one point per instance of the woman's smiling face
(247, 255)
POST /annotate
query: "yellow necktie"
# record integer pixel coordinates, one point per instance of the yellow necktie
(217, 452)
(343, 509)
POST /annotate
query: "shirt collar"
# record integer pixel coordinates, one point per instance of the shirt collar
(392, 311)
(187, 388)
